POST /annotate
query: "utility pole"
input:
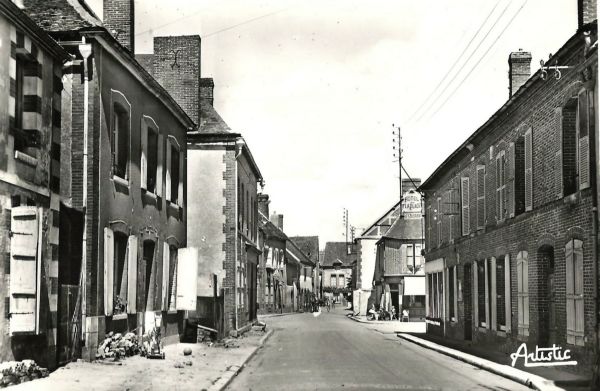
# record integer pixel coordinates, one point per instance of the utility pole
(397, 147)
(345, 222)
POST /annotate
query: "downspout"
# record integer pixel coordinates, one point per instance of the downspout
(86, 50)
(239, 144)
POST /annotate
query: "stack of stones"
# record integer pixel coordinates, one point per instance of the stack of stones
(15, 372)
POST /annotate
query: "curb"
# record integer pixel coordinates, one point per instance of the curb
(232, 372)
(530, 380)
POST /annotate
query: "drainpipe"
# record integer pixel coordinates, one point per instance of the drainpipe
(86, 50)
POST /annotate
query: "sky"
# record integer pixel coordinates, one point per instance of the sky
(315, 86)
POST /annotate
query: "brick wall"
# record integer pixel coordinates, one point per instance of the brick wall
(518, 70)
(119, 20)
(177, 69)
(554, 220)
(587, 11)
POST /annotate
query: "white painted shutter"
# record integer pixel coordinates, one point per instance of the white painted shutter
(579, 304)
(165, 276)
(173, 286)
(187, 278)
(558, 162)
(144, 155)
(109, 256)
(159, 165)
(480, 197)
(132, 260)
(528, 170)
(570, 292)
(181, 179)
(508, 315)
(465, 205)
(168, 172)
(584, 140)
(24, 269)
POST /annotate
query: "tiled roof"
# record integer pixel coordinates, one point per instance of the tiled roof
(338, 251)
(61, 15)
(302, 256)
(309, 245)
(270, 229)
(210, 120)
(405, 229)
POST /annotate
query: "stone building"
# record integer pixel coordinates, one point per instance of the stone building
(30, 131)
(511, 226)
(123, 151)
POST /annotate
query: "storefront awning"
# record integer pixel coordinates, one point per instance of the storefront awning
(414, 286)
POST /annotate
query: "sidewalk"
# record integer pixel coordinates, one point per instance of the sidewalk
(541, 378)
(208, 368)
(391, 326)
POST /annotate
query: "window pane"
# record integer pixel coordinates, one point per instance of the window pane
(174, 173)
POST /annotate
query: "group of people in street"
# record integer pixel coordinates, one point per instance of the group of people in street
(382, 314)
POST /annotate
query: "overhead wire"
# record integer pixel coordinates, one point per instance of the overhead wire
(441, 93)
(480, 59)
(455, 62)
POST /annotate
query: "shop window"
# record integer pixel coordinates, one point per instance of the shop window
(120, 139)
(451, 292)
(523, 293)
(120, 273)
(574, 290)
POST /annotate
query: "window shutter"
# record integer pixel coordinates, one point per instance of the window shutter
(558, 161)
(486, 287)
(520, 307)
(144, 155)
(165, 276)
(159, 165)
(440, 234)
(132, 260)
(570, 292)
(579, 305)
(523, 293)
(180, 197)
(465, 205)
(475, 294)
(187, 278)
(510, 186)
(528, 170)
(507, 301)
(25, 269)
(498, 192)
(493, 294)
(404, 254)
(168, 172)
(584, 141)
(109, 254)
(526, 292)
(173, 286)
(480, 197)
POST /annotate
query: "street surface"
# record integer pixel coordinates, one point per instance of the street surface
(332, 352)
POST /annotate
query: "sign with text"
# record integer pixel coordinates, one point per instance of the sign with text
(412, 208)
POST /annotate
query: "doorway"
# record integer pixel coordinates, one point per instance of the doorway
(547, 318)
(467, 300)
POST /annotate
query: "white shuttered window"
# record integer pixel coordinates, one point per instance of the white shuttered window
(523, 293)
(575, 315)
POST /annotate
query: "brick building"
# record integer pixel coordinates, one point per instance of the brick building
(123, 179)
(223, 178)
(336, 269)
(30, 119)
(511, 225)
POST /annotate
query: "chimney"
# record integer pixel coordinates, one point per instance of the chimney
(586, 12)
(177, 69)
(518, 70)
(263, 204)
(207, 87)
(277, 219)
(408, 185)
(119, 21)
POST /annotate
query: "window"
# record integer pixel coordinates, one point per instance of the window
(523, 293)
(519, 176)
(464, 190)
(151, 156)
(481, 294)
(410, 256)
(247, 214)
(501, 186)
(451, 292)
(418, 256)
(480, 197)
(341, 281)
(120, 273)
(26, 125)
(585, 127)
(429, 222)
(120, 137)
(175, 174)
(149, 275)
(500, 294)
(439, 221)
(436, 294)
(528, 170)
(152, 160)
(575, 303)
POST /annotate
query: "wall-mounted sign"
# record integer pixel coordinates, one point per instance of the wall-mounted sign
(412, 208)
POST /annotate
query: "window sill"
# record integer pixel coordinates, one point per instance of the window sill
(149, 197)
(482, 329)
(120, 181)
(172, 312)
(501, 333)
(27, 159)
(120, 316)
(174, 209)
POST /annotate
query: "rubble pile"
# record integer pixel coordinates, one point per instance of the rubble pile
(116, 346)
(15, 372)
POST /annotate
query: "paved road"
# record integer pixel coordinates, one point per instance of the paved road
(332, 352)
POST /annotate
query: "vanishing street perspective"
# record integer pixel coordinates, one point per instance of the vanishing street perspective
(437, 165)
